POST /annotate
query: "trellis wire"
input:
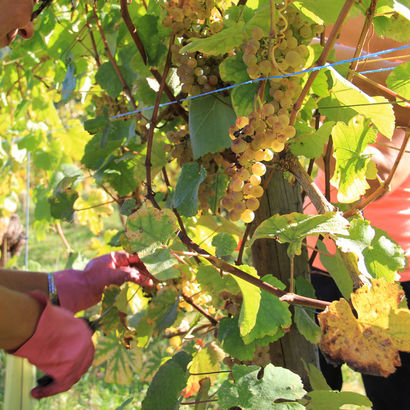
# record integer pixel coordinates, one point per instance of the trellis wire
(229, 87)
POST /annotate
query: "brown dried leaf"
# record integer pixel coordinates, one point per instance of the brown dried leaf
(370, 343)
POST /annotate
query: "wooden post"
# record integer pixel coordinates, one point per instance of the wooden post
(270, 257)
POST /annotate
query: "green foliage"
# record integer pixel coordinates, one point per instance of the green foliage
(224, 244)
(294, 227)
(186, 190)
(209, 120)
(168, 383)
(311, 143)
(398, 80)
(249, 391)
(325, 399)
(352, 162)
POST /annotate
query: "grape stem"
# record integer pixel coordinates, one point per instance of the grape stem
(220, 264)
(111, 57)
(202, 311)
(153, 122)
(363, 35)
(140, 46)
(322, 59)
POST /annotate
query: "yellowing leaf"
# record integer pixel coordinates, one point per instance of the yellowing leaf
(91, 210)
(121, 363)
(370, 343)
(207, 360)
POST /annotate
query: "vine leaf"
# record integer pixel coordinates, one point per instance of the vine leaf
(320, 12)
(186, 191)
(219, 43)
(121, 363)
(207, 360)
(211, 280)
(294, 227)
(252, 392)
(349, 143)
(347, 94)
(209, 120)
(167, 384)
(62, 203)
(334, 400)
(108, 79)
(161, 264)
(336, 267)
(262, 314)
(242, 99)
(307, 326)
(370, 343)
(91, 210)
(399, 80)
(231, 341)
(147, 229)
(224, 244)
(311, 145)
(377, 254)
(114, 307)
(233, 69)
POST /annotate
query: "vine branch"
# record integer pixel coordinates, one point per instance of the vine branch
(202, 311)
(363, 35)
(322, 59)
(111, 57)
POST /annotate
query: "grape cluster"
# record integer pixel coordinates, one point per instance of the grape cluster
(254, 141)
(265, 131)
(197, 73)
(180, 145)
(186, 17)
(112, 106)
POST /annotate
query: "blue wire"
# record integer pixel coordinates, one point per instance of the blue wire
(264, 78)
(377, 70)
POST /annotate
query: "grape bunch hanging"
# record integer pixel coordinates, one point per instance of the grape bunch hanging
(265, 131)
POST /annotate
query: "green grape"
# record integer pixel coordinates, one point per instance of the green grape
(236, 184)
(292, 43)
(250, 59)
(257, 33)
(294, 59)
(198, 71)
(238, 146)
(202, 79)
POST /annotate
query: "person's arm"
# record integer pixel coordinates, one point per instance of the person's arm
(22, 281)
(19, 314)
(80, 289)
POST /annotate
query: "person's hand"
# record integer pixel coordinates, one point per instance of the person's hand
(61, 346)
(79, 290)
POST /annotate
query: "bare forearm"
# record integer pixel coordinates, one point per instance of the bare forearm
(19, 314)
(22, 281)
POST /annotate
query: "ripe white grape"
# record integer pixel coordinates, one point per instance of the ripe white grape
(260, 155)
(252, 203)
(255, 180)
(259, 169)
(257, 191)
(257, 33)
(247, 216)
(236, 184)
(277, 146)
